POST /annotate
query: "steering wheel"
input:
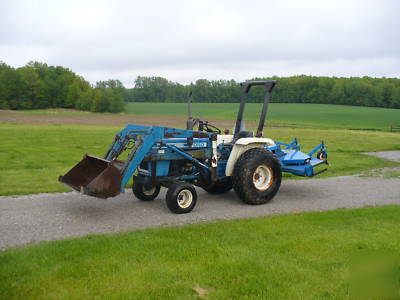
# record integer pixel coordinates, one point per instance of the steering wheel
(205, 126)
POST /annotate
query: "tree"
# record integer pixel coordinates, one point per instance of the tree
(8, 87)
(113, 93)
(74, 94)
(32, 89)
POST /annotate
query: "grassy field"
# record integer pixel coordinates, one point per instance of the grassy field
(280, 114)
(33, 156)
(310, 115)
(303, 256)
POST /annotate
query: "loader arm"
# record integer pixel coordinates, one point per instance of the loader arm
(122, 139)
(136, 157)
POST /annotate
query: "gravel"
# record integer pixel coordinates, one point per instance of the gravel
(42, 217)
(391, 155)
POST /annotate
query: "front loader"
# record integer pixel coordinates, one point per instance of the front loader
(200, 155)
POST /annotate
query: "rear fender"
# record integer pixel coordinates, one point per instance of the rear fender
(241, 146)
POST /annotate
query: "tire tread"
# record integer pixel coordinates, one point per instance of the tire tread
(241, 173)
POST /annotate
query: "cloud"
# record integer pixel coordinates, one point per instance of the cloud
(186, 40)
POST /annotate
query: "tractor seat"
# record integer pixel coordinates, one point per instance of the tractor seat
(243, 134)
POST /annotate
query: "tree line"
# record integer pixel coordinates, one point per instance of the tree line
(37, 85)
(361, 91)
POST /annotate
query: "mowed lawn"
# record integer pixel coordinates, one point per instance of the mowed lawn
(294, 114)
(33, 156)
(343, 254)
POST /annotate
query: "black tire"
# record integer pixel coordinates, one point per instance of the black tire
(249, 185)
(145, 192)
(322, 155)
(220, 186)
(181, 197)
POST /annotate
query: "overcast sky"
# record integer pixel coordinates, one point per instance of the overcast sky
(187, 40)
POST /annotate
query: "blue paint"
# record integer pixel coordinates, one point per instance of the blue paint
(296, 162)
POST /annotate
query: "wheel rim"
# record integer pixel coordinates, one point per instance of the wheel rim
(148, 190)
(262, 178)
(185, 198)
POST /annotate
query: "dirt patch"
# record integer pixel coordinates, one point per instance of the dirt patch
(15, 117)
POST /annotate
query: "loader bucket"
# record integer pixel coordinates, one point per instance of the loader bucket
(95, 177)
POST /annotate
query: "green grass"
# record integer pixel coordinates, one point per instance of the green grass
(32, 157)
(302, 256)
(311, 115)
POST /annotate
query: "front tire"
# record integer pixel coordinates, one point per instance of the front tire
(257, 176)
(145, 192)
(181, 198)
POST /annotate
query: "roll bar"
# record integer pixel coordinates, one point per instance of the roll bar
(246, 86)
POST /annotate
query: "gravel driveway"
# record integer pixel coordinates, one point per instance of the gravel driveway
(391, 155)
(41, 217)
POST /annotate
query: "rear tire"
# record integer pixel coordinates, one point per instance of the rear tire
(145, 192)
(257, 176)
(181, 197)
(220, 186)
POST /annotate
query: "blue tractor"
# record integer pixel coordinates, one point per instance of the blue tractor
(200, 155)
